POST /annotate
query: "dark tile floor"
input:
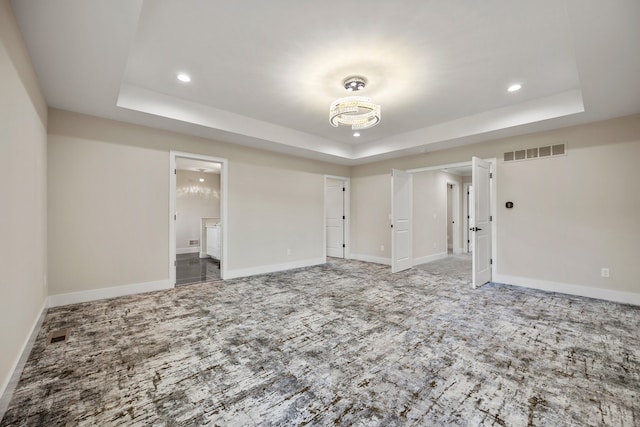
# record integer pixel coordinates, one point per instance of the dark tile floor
(190, 268)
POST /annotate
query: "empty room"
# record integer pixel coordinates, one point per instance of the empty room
(415, 213)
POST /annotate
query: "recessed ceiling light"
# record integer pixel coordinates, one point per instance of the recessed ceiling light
(185, 78)
(356, 134)
(515, 87)
(201, 179)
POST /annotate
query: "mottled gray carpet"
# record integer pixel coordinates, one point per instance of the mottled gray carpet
(346, 343)
(455, 266)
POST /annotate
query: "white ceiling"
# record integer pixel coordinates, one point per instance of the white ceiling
(264, 73)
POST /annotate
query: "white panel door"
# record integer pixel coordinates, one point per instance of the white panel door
(401, 225)
(335, 218)
(481, 221)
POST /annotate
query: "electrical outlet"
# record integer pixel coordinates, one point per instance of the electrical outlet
(381, 248)
(288, 251)
(604, 272)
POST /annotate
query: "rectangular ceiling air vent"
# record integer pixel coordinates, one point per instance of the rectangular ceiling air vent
(536, 153)
(61, 335)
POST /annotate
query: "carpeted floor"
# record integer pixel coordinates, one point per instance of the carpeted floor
(345, 343)
(456, 266)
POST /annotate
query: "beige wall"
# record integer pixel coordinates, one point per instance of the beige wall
(271, 211)
(195, 200)
(23, 193)
(573, 214)
(109, 203)
(108, 212)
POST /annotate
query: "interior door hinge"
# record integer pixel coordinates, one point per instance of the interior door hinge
(175, 217)
(491, 261)
(490, 175)
(343, 189)
(344, 217)
(490, 218)
(344, 246)
(175, 171)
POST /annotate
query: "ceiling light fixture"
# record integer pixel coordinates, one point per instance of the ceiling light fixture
(355, 111)
(515, 87)
(183, 77)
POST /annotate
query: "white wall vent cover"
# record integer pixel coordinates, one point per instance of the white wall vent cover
(536, 153)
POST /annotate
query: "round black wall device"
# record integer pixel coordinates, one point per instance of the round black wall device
(508, 205)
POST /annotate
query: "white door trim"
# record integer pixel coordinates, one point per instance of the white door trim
(455, 207)
(347, 213)
(465, 216)
(224, 185)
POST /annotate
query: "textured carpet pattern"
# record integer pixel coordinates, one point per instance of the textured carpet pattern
(346, 343)
(457, 267)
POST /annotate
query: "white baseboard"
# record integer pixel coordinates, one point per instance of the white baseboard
(567, 288)
(9, 384)
(371, 258)
(263, 269)
(102, 293)
(191, 250)
(429, 258)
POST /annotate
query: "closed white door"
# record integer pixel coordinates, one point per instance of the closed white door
(401, 221)
(481, 221)
(335, 218)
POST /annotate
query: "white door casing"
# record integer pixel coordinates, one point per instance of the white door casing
(335, 218)
(481, 222)
(401, 221)
(470, 233)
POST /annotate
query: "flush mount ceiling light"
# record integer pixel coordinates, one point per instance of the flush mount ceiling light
(355, 111)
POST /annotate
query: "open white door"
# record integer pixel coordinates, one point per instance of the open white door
(481, 224)
(335, 218)
(401, 242)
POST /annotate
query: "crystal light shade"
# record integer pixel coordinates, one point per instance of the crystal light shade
(355, 111)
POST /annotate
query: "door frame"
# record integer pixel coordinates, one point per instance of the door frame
(465, 216)
(493, 203)
(346, 181)
(455, 206)
(224, 185)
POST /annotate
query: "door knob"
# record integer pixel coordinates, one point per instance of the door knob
(475, 229)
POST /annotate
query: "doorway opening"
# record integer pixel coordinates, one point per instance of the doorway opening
(444, 226)
(336, 217)
(197, 218)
